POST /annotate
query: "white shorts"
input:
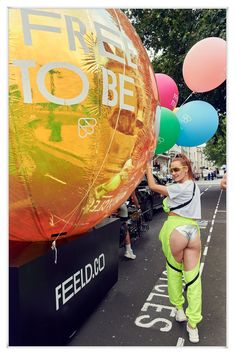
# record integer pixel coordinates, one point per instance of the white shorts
(189, 231)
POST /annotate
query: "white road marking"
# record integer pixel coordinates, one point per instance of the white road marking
(209, 238)
(205, 251)
(153, 294)
(201, 268)
(180, 342)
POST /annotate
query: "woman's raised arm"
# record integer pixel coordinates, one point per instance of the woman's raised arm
(152, 184)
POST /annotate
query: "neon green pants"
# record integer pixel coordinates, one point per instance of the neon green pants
(175, 282)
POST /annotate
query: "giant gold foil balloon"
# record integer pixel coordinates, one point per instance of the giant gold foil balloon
(82, 101)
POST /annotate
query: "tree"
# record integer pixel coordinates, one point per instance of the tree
(215, 149)
(169, 34)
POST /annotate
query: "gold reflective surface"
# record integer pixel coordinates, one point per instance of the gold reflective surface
(82, 102)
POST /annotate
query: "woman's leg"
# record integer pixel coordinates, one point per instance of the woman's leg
(128, 249)
(191, 262)
(192, 253)
(177, 244)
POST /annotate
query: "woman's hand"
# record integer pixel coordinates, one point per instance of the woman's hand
(151, 182)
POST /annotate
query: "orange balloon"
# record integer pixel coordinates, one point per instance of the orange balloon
(82, 114)
(204, 66)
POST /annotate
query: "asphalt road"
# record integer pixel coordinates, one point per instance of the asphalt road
(137, 312)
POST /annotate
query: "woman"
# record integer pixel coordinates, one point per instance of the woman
(180, 238)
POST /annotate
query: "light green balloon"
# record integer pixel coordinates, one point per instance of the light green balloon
(169, 131)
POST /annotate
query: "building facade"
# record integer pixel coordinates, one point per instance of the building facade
(195, 154)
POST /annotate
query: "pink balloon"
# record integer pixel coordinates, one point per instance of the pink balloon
(204, 66)
(167, 90)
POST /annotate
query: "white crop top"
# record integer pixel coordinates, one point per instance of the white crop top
(182, 192)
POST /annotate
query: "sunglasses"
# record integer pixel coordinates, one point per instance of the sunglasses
(176, 170)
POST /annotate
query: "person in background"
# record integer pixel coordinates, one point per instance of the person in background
(223, 182)
(208, 175)
(123, 214)
(181, 244)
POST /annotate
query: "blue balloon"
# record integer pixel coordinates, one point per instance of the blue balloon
(198, 123)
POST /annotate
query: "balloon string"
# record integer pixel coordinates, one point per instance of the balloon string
(53, 247)
(193, 92)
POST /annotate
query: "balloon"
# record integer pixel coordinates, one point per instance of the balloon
(198, 123)
(82, 118)
(157, 120)
(204, 66)
(167, 91)
(169, 131)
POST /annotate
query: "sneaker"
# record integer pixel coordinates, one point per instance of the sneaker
(180, 315)
(130, 255)
(193, 334)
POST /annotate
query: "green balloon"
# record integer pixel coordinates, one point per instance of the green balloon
(169, 131)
